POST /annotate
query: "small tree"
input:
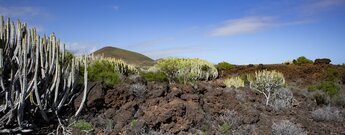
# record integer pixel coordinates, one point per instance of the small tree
(266, 82)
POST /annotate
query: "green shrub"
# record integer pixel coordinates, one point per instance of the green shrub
(329, 87)
(302, 60)
(154, 76)
(82, 125)
(183, 70)
(134, 123)
(332, 75)
(225, 128)
(330, 84)
(224, 65)
(102, 70)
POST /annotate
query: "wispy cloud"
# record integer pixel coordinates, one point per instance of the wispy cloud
(252, 24)
(321, 5)
(115, 7)
(152, 42)
(244, 25)
(81, 48)
(21, 11)
(170, 52)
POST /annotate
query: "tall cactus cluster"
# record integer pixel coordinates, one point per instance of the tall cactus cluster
(35, 78)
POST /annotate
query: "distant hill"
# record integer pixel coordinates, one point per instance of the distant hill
(128, 56)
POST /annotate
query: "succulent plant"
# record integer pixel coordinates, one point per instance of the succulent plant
(33, 70)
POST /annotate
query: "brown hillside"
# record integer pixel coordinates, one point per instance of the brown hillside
(128, 56)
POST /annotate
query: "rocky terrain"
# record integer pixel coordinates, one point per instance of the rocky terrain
(141, 107)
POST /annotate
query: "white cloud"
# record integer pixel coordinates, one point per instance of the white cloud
(252, 24)
(80, 48)
(322, 5)
(115, 7)
(20, 11)
(171, 52)
(244, 25)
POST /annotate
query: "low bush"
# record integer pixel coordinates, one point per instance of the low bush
(329, 87)
(231, 118)
(302, 60)
(154, 76)
(286, 127)
(327, 114)
(224, 66)
(138, 90)
(234, 82)
(320, 97)
(82, 125)
(183, 70)
(102, 70)
(224, 128)
(282, 99)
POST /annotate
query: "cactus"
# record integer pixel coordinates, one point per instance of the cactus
(33, 69)
(266, 82)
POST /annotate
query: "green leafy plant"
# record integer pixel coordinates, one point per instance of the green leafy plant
(133, 123)
(82, 125)
(154, 76)
(103, 70)
(266, 82)
(330, 84)
(329, 87)
(224, 65)
(234, 82)
(302, 60)
(224, 128)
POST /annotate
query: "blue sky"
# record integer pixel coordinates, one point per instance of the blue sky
(236, 31)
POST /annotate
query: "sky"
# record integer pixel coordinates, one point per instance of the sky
(236, 31)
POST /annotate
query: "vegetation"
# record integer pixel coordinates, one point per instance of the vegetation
(224, 65)
(103, 70)
(328, 89)
(37, 72)
(327, 114)
(286, 127)
(234, 82)
(82, 125)
(302, 60)
(133, 123)
(108, 70)
(183, 70)
(154, 76)
(266, 82)
(282, 99)
(224, 128)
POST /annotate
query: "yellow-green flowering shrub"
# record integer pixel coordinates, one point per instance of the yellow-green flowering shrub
(234, 82)
(186, 69)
